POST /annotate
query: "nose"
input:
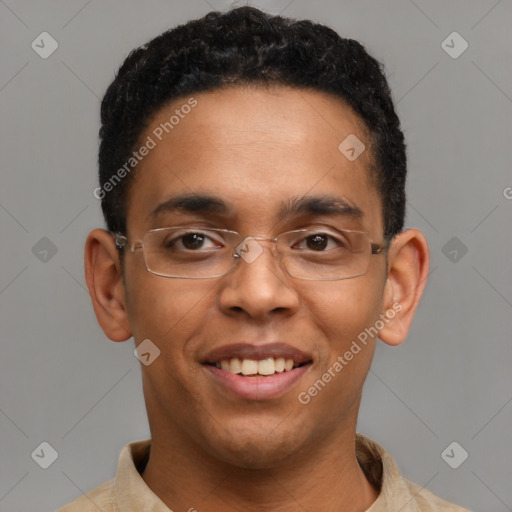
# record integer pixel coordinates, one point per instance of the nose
(258, 287)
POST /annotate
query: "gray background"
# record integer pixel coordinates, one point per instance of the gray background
(63, 382)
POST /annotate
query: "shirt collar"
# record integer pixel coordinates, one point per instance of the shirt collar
(130, 491)
(132, 494)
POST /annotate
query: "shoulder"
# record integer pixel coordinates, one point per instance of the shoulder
(396, 492)
(100, 498)
(428, 502)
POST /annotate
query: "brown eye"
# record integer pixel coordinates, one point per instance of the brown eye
(193, 241)
(317, 242)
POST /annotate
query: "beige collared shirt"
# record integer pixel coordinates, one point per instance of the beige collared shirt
(127, 492)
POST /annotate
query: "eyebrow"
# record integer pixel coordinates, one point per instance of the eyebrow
(295, 206)
(192, 203)
(319, 205)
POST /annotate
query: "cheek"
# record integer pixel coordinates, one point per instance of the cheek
(162, 309)
(343, 309)
(171, 313)
(343, 312)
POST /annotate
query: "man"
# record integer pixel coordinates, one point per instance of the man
(252, 176)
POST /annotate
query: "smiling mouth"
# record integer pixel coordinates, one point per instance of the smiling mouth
(258, 368)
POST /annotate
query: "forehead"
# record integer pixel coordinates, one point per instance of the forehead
(257, 150)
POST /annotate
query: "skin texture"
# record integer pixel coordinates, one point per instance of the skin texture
(255, 148)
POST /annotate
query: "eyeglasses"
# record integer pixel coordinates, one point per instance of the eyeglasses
(316, 253)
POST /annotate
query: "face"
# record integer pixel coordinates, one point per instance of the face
(255, 151)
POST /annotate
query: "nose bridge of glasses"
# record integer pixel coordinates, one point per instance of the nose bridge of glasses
(251, 247)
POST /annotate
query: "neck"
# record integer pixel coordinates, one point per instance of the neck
(317, 479)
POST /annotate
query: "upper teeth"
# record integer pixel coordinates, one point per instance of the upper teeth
(267, 366)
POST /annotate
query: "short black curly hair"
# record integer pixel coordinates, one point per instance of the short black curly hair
(246, 46)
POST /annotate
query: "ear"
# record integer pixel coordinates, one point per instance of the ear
(408, 263)
(104, 279)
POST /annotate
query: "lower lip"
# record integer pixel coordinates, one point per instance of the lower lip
(257, 388)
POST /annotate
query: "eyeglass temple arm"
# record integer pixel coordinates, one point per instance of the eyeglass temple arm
(377, 248)
(122, 242)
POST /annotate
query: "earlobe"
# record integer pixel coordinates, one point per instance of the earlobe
(408, 263)
(104, 280)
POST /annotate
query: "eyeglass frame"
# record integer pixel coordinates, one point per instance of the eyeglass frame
(122, 242)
